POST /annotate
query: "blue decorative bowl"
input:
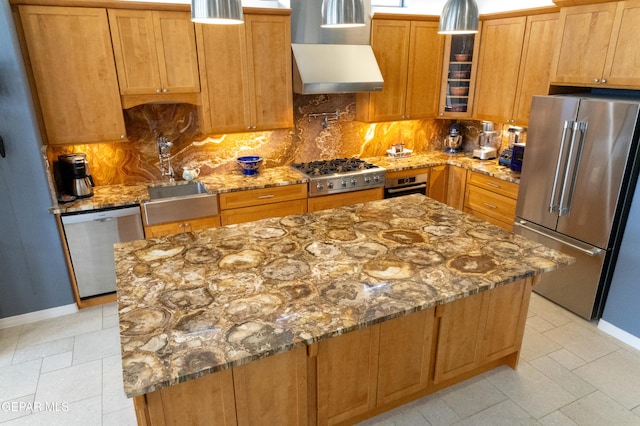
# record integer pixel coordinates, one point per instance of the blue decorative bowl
(250, 164)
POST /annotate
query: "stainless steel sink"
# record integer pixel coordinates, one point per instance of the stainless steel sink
(177, 190)
(178, 202)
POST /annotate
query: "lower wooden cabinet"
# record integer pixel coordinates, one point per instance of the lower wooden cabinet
(345, 199)
(480, 329)
(347, 375)
(404, 359)
(172, 228)
(183, 404)
(255, 204)
(491, 199)
(359, 374)
(447, 184)
(272, 390)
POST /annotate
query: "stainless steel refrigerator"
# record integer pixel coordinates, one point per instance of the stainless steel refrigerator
(578, 176)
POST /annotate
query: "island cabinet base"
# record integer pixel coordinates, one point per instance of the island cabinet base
(357, 375)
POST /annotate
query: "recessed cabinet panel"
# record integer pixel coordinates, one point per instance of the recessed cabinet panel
(498, 66)
(246, 74)
(623, 56)
(582, 43)
(409, 54)
(155, 52)
(74, 71)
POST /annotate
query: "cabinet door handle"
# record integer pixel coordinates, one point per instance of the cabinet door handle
(263, 197)
(490, 206)
(604, 80)
(596, 80)
(493, 185)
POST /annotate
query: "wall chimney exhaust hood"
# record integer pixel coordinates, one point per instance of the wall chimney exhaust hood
(331, 60)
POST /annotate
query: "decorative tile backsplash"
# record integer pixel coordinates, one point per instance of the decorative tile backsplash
(312, 138)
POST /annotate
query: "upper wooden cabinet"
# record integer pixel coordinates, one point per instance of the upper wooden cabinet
(513, 67)
(246, 75)
(69, 50)
(597, 45)
(409, 53)
(457, 88)
(155, 52)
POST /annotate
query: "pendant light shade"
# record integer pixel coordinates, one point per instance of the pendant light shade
(459, 17)
(342, 13)
(216, 11)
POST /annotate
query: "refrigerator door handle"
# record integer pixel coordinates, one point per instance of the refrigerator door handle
(593, 251)
(572, 169)
(554, 206)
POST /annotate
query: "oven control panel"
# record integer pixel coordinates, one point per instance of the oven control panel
(336, 184)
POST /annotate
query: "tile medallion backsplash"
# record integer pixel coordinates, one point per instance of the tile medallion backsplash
(312, 138)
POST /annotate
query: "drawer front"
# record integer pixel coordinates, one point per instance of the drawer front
(249, 214)
(256, 197)
(486, 202)
(345, 199)
(499, 186)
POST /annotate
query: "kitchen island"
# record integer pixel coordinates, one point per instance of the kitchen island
(320, 318)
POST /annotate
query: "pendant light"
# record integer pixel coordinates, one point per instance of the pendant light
(216, 11)
(459, 17)
(342, 13)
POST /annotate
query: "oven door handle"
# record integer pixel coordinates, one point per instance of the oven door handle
(406, 188)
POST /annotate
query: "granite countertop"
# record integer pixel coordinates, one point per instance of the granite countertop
(111, 196)
(196, 303)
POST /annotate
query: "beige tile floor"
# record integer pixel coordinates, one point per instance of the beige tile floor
(67, 370)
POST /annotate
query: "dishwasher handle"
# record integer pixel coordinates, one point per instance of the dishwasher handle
(100, 216)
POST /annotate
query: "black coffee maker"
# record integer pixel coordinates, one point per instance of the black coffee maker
(74, 171)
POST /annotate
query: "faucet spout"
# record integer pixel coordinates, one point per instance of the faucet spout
(164, 153)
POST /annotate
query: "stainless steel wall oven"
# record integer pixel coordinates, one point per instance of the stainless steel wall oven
(406, 185)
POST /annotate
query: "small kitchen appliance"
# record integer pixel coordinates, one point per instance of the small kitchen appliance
(74, 171)
(340, 175)
(517, 156)
(487, 141)
(516, 135)
(453, 140)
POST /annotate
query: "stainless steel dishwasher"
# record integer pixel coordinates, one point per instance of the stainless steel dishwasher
(90, 237)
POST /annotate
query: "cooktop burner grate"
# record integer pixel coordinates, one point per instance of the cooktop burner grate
(329, 167)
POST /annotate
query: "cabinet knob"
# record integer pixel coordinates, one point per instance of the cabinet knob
(604, 80)
(158, 90)
(596, 80)
(123, 136)
(254, 127)
(165, 90)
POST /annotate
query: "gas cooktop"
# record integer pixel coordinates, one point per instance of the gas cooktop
(340, 175)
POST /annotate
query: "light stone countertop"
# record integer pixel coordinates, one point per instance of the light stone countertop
(196, 303)
(113, 196)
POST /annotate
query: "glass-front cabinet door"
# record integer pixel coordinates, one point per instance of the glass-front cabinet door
(459, 75)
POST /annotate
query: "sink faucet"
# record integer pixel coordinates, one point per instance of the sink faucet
(164, 153)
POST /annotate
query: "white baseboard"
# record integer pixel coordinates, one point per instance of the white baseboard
(619, 334)
(38, 316)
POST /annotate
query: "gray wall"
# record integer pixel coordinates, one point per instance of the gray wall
(622, 308)
(33, 275)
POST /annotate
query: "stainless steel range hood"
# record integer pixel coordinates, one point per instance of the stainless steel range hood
(331, 60)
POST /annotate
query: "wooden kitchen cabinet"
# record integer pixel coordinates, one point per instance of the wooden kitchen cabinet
(155, 53)
(245, 71)
(513, 67)
(70, 54)
(272, 390)
(597, 45)
(255, 204)
(500, 53)
(183, 404)
(447, 185)
(344, 199)
(409, 53)
(172, 228)
(347, 377)
(458, 76)
(404, 360)
(491, 199)
(480, 329)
